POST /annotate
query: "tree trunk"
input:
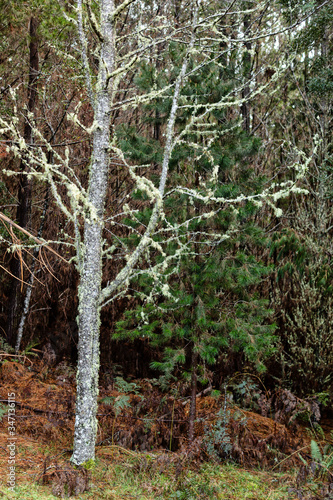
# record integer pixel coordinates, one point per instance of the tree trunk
(26, 302)
(91, 266)
(193, 404)
(245, 109)
(25, 185)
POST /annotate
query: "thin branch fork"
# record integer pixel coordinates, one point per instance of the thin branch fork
(37, 240)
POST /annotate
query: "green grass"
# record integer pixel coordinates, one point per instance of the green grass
(125, 476)
(27, 492)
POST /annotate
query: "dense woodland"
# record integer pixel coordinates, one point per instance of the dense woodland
(229, 103)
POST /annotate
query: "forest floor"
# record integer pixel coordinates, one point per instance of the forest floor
(142, 450)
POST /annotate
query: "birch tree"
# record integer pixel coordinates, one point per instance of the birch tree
(119, 52)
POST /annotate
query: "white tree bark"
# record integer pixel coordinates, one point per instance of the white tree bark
(91, 270)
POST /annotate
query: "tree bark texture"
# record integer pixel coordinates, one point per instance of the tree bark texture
(245, 109)
(193, 403)
(26, 302)
(91, 266)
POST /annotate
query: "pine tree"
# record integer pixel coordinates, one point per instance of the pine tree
(213, 306)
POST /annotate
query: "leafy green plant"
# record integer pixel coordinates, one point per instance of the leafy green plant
(121, 401)
(123, 386)
(192, 488)
(28, 351)
(5, 347)
(321, 465)
(323, 398)
(322, 456)
(217, 440)
(245, 390)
